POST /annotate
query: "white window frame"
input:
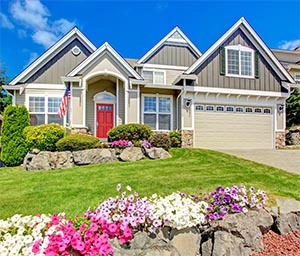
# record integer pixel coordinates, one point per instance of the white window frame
(239, 48)
(261, 111)
(153, 75)
(46, 112)
(239, 107)
(222, 108)
(226, 109)
(268, 109)
(197, 107)
(157, 96)
(248, 112)
(209, 106)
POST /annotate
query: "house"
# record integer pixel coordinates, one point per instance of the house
(231, 96)
(290, 60)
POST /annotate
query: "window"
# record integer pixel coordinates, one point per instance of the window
(240, 61)
(157, 112)
(267, 111)
(229, 109)
(199, 108)
(154, 77)
(209, 108)
(239, 109)
(43, 110)
(219, 108)
(249, 110)
(257, 110)
(297, 78)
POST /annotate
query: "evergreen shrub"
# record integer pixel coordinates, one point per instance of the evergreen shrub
(131, 132)
(75, 142)
(13, 143)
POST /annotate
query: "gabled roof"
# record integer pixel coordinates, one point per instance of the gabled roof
(258, 43)
(176, 36)
(101, 50)
(52, 51)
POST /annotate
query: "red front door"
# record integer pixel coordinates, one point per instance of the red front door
(105, 119)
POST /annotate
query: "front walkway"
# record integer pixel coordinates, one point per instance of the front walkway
(288, 160)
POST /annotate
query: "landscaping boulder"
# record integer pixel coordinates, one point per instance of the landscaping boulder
(157, 153)
(46, 160)
(288, 218)
(293, 137)
(94, 156)
(131, 154)
(236, 234)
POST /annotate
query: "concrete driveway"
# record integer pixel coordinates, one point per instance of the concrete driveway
(288, 160)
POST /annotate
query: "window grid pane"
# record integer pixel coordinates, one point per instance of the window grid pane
(53, 104)
(158, 77)
(148, 76)
(246, 63)
(164, 122)
(36, 104)
(164, 105)
(150, 104)
(233, 62)
(150, 119)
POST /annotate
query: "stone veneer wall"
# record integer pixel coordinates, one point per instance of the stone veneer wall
(187, 137)
(80, 131)
(280, 140)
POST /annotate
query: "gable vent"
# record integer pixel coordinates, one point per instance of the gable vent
(76, 50)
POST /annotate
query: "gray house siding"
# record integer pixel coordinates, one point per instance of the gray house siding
(121, 104)
(173, 55)
(209, 72)
(20, 99)
(60, 65)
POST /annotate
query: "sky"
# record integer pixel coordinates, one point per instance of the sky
(29, 27)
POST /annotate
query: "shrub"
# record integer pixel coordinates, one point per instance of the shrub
(161, 140)
(175, 138)
(100, 144)
(76, 142)
(132, 132)
(43, 137)
(14, 147)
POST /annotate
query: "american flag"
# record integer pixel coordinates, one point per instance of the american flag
(64, 103)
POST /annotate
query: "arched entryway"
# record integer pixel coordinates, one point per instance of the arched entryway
(105, 106)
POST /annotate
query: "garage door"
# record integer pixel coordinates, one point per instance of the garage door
(229, 127)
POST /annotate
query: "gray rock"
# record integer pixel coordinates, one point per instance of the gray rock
(46, 160)
(94, 156)
(35, 151)
(157, 153)
(131, 154)
(287, 222)
(288, 205)
(293, 137)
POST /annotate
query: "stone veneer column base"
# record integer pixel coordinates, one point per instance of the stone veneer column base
(82, 130)
(187, 138)
(280, 140)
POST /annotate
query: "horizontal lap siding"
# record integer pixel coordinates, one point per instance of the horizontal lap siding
(233, 130)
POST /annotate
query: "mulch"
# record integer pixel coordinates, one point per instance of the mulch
(280, 245)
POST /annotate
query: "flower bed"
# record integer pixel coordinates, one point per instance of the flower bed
(120, 218)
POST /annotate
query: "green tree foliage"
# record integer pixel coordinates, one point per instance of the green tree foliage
(293, 109)
(14, 147)
(43, 137)
(5, 99)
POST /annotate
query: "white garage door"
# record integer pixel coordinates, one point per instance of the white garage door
(229, 127)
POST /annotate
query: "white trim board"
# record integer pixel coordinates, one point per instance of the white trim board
(52, 51)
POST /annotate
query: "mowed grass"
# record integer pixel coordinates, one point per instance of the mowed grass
(193, 171)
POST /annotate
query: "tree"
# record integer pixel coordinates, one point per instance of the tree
(5, 99)
(293, 109)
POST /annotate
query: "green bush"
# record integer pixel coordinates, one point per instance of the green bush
(175, 137)
(131, 132)
(13, 143)
(43, 137)
(76, 142)
(100, 144)
(161, 140)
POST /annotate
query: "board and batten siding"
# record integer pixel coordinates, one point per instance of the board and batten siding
(77, 106)
(93, 89)
(20, 99)
(60, 65)
(173, 55)
(121, 104)
(209, 72)
(132, 107)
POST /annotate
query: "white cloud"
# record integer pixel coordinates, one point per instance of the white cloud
(44, 38)
(35, 17)
(289, 45)
(5, 22)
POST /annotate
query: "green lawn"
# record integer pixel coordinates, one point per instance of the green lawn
(193, 171)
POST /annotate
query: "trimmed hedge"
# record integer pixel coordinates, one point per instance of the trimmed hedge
(75, 142)
(161, 140)
(43, 137)
(175, 137)
(131, 132)
(13, 143)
